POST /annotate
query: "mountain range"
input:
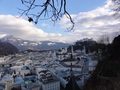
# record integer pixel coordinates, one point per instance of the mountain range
(22, 44)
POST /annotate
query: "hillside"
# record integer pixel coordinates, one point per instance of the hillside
(107, 73)
(7, 48)
(88, 44)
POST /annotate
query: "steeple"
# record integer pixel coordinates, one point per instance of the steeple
(71, 71)
(71, 55)
(72, 85)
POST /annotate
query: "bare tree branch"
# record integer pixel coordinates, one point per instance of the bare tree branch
(49, 8)
(116, 8)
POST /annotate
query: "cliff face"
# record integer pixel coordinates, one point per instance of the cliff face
(107, 73)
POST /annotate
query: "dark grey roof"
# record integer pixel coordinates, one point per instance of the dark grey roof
(61, 54)
(72, 85)
(2, 86)
(33, 85)
(69, 59)
(65, 65)
(50, 79)
(92, 64)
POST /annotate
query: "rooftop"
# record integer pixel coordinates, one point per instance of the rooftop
(49, 79)
(18, 80)
(6, 77)
(29, 84)
(2, 86)
(74, 66)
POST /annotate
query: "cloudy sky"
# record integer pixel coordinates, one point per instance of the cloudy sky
(93, 19)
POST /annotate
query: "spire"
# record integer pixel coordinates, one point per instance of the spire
(71, 52)
(71, 56)
(72, 85)
(71, 71)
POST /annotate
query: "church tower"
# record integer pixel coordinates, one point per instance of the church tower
(72, 85)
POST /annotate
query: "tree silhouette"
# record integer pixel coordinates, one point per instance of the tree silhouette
(48, 9)
(116, 8)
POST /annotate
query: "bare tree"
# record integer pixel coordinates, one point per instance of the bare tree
(116, 8)
(104, 39)
(101, 39)
(48, 9)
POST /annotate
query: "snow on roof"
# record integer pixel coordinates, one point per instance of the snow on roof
(92, 64)
(61, 68)
(18, 80)
(7, 77)
(16, 67)
(2, 86)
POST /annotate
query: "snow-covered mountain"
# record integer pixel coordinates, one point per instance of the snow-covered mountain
(27, 44)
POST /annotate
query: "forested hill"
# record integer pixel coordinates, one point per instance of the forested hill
(107, 73)
(89, 44)
(7, 48)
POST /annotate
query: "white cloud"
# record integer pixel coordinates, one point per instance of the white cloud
(10, 25)
(44, 24)
(90, 24)
(94, 23)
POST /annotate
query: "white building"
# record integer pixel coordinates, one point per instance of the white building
(28, 62)
(61, 54)
(38, 70)
(8, 80)
(49, 81)
(24, 70)
(54, 85)
(2, 59)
